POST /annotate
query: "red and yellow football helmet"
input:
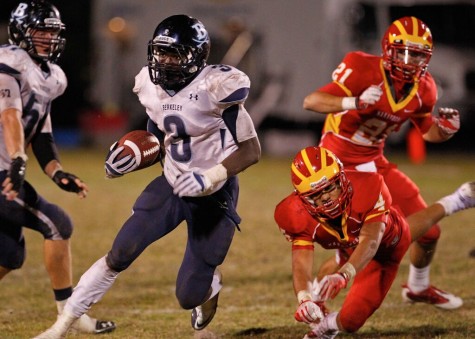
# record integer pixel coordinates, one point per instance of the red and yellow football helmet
(407, 48)
(313, 170)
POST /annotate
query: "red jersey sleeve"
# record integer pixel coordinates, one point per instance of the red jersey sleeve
(294, 221)
(371, 199)
(356, 72)
(428, 97)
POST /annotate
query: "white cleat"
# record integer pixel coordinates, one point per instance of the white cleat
(86, 324)
(59, 329)
(321, 330)
(462, 199)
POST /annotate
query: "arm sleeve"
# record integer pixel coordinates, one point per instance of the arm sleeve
(44, 148)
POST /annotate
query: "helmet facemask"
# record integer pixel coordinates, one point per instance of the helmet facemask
(332, 208)
(407, 63)
(316, 171)
(173, 74)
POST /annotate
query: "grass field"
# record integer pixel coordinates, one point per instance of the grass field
(257, 299)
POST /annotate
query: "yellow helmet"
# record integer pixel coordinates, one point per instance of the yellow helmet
(312, 170)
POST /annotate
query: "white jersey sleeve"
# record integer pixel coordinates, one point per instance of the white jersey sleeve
(37, 90)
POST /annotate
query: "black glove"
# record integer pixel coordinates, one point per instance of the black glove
(71, 186)
(17, 172)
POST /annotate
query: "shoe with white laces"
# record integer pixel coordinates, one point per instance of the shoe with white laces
(322, 330)
(462, 199)
(60, 328)
(86, 324)
(202, 315)
(432, 296)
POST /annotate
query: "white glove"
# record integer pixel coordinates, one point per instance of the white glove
(191, 184)
(308, 312)
(370, 96)
(448, 121)
(117, 168)
(331, 285)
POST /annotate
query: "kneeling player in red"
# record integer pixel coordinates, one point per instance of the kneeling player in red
(351, 212)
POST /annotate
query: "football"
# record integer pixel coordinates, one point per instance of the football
(142, 145)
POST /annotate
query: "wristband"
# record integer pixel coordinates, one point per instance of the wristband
(347, 271)
(216, 174)
(56, 171)
(303, 295)
(19, 155)
(349, 103)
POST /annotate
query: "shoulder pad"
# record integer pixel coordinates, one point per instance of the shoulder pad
(13, 60)
(227, 84)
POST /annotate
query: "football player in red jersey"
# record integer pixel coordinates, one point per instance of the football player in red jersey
(370, 97)
(349, 211)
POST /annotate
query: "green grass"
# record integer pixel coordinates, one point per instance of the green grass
(257, 299)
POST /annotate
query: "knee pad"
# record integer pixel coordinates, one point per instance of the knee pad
(62, 223)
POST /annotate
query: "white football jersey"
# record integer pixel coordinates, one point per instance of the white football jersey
(203, 122)
(37, 90)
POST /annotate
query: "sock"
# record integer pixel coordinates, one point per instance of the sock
(61, 296)
(331, 321)
(461, 199)
(418, 280)
(216, 284)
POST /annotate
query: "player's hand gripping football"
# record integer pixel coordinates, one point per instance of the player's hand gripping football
(369, 97)
(191, 184)
(118, 167)
(448, 121)
(331, 285)
(70, 183)
(15, 177)
(308, 312)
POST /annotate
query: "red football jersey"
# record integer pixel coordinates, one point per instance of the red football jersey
(371, 202)
(358, 136)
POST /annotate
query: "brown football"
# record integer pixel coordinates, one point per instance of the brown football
(142, 145)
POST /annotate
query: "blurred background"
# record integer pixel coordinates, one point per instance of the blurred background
(288, 49)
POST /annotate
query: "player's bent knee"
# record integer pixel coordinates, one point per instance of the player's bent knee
(115, 264)
(63, 225)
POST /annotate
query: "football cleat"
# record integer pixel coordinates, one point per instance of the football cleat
(86, 324)
(461, 199)
(321, 330)
(60, 328)
(432, 296)
(202, 315)
(104, 326)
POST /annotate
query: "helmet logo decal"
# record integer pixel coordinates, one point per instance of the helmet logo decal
(20, 13)
(201, 34)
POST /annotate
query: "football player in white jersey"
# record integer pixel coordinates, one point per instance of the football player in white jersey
(29, 81)
(207, 138)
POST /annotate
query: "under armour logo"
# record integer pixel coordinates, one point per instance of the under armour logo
(195, 96)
